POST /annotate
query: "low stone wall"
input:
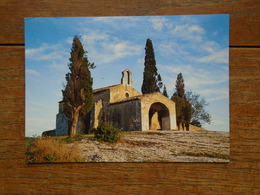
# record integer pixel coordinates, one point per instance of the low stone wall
(49, 133)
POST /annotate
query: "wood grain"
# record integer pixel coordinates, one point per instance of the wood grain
(240, 176)
(244, 14)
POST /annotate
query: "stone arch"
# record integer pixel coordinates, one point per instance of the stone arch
(159, 117)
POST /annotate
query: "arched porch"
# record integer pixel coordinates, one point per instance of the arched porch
(159, 117)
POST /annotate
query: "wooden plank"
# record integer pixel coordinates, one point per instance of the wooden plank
(244, 104)
(240, 176)
(244, 14)
(12, 90)
(148, 179)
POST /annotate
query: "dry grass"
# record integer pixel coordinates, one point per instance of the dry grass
(48, 149)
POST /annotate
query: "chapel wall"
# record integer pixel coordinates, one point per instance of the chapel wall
(100, 109)
(126, 115)
(148, 99)
(122, 92)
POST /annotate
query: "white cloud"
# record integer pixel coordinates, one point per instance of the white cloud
(218, 97)
(214, 91)
(158, 23)
(118, 23)
(195, 29)
(209, 46)
(191, 32)
(200, 78)
(195, 78)
(105, 48)
(214, 94)
(221, 56)
(107, 20)
(173, 50)
(93, 35)
(32, 72)
(209, 84)
(115, 51)
(45, 52)
(208, 52)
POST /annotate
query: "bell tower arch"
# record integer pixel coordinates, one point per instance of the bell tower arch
(127, 78)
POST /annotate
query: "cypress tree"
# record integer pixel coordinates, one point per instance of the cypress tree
(77, 94)
(150, 75)
(183, 107)
(179, 105)
(179, 86)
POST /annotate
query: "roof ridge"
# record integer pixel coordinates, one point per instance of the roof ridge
(104, 88)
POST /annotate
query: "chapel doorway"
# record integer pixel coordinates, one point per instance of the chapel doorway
(159, 117)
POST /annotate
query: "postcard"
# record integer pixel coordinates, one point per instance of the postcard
(127, 89)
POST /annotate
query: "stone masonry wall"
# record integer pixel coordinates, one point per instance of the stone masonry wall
(101, 102)
(148, 99)
(122, 92)
(62, 126)
(126, 115)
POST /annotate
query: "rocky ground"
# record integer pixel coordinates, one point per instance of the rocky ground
(160, 146)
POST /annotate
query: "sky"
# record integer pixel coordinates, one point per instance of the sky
(195, 45)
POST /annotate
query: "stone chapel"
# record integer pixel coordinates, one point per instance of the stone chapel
(123, 107)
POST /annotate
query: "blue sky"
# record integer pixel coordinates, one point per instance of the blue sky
(195, 45)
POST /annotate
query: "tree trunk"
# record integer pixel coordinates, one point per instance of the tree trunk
(75, 119)
(187, 125)
(183, 126)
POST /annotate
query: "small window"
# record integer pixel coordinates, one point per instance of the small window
(127, 95)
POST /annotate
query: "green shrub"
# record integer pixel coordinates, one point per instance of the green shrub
(107, 134)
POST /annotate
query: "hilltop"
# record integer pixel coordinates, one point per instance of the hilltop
(160, 146)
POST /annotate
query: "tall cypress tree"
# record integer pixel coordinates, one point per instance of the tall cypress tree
(183, 107)
(179, 86)
(150, 75)
(77, 94)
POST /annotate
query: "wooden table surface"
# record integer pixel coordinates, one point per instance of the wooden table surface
(240, 176)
